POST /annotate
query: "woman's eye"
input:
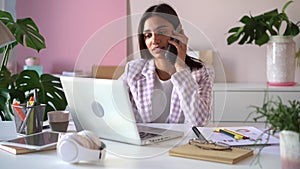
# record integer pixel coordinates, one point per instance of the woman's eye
(165, 32)
(162, 32)
(147, 35)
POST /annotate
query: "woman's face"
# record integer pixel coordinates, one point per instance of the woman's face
(157, 32)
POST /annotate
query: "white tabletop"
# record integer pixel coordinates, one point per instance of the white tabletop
(120, 155)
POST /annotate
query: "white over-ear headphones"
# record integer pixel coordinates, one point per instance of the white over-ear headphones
(81, 146)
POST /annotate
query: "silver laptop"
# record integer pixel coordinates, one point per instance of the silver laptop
(103, 106)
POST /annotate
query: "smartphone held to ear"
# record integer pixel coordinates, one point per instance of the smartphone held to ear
(171, 53)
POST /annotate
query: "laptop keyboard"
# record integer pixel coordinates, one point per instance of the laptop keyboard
(145, 135)
(150, 129)
(146, 132)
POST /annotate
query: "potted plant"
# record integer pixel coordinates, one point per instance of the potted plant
(285, 119)
(18, 86)
(267, 28)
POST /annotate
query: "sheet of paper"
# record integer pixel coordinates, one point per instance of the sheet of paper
(256, 136)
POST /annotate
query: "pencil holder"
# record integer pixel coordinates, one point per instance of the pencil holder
(29, 119)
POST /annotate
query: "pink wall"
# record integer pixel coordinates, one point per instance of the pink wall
(68, 26)
(206, 22)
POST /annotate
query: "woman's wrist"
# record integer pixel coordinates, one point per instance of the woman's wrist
(179, 65)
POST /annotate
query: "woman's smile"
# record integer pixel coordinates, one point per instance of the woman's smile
(158, 50)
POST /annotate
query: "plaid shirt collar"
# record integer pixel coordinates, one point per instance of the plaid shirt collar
(148, 69)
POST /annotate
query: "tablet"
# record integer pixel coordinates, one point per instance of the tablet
(36, 141)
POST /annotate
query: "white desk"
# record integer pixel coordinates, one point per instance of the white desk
(151, 156)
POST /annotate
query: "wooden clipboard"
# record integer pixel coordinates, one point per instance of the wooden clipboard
(230, 157)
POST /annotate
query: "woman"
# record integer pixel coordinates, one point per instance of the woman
(160, 91)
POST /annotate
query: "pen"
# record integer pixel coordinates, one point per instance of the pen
(231, 133)
(25, 120)
(35, 96)
(29, 115)
(31, 101)
(19, 110)
(242, 136)
(198, 134)
(228, 133)
(31, 121)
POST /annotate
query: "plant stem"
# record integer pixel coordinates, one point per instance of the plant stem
(5, 57)
(298, 57)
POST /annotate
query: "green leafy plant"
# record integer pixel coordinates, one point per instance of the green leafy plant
(258, 29)
(19, 86)
(26, 33)
(49, 91)
(278, 115)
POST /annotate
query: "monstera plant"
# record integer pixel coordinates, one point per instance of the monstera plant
(19, 87)
(258, 29)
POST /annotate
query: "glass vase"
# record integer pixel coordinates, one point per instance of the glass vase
(281, 52)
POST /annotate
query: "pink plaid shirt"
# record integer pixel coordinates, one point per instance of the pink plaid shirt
(190, 99)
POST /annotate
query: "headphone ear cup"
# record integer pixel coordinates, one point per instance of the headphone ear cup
(73, 148)
(92, 137)
(67, 149)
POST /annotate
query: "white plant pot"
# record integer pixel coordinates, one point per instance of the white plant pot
(281, 52)
(32, 61)
(289, 149)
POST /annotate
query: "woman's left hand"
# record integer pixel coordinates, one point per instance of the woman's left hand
(181, 48)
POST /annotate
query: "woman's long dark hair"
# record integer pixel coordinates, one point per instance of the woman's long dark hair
(168, 13)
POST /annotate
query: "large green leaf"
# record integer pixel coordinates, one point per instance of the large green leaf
(5, 78)
(7, 19)
(54, 94)
(292, 29)
(5, 112)
(7, 83)
(25, 31)
(262, 39)
(28, 29)
(49, 88)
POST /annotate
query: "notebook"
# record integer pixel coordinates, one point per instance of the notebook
(20, 150)
(9, 134)
(229, 157)
(103, 106)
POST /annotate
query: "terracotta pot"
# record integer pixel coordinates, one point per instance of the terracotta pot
(289, 149)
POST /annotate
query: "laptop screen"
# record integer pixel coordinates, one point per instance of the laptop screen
(102, 106)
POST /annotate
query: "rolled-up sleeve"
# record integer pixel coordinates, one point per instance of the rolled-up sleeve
(194, 90)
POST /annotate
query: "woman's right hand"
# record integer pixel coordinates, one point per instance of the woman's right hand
(181, 48)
